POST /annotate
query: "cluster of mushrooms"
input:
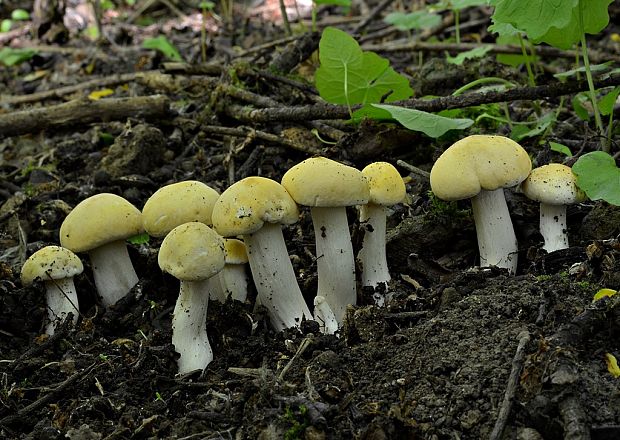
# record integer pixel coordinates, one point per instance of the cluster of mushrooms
(209, 237)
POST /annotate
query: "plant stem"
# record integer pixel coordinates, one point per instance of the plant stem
(203, 36)
(287, 25)
(528, 65)
(486, 80)
(457, 19)
(586, 63)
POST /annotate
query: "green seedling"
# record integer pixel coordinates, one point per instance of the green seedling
(139, 239)
(298, 421)
(478, 52)
(598, 176)
(456, 6)
(561, 23)
(164, 46)
(350, 76)
(559, 148)
(428, 123)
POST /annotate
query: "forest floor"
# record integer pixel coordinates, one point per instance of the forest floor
(457, 351)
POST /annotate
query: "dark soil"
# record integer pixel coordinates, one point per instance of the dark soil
(433, 364)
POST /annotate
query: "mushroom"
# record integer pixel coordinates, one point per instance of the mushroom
(479, 167)
(386, 188)
(194, 254)
(232, 280)
(328, 187)
(178, 203)
(100, 225)
(554, 186)
(255, 207)
(324, 315)
(56, 267)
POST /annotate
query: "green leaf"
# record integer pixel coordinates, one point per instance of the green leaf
(11, 57)
(428, 123)
(413, 20)
(478, 52)
(594, 68)
(578, 102)
(521, 131)
(6, 25)
(139, 239)
(598, 176)
(348, 75)
(559, 148)
(164, 46)
(345, 3)
(20, 14)
(555, 22)
(459, 4)
(607, 102)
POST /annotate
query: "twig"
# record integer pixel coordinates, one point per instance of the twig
(269, 45)
(370, 17)
(511, 388)
(47, 398)
(413, 169)
(83, 111)
(300, 350)
(544, 51)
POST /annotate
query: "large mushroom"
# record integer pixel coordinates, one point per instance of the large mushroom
(100, 225)
(178, 203)
(328, 187)
(56, 267)
(386, 188)
(194, 254)
(554, 186)
(255, 207)
(479, 167)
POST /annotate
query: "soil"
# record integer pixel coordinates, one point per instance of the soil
(435, 363)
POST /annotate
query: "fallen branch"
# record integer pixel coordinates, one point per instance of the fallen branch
(330, 111)
(511, 388)
(83, 111)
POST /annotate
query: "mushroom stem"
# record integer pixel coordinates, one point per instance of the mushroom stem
(372, 256)
(274, 277)
(553, 226)
(189, 332)
(496, 236)
(113, 272)
(335, 261)
(62, 299)
(324, 316)
(233, 281)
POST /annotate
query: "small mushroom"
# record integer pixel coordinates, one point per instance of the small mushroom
(386, 188)
(194, 254)
(232, 280)
(479, 167)
(56, 267)
(328, 187)
(100, 225)
(255, 207)
(555, 187)
(178, 203)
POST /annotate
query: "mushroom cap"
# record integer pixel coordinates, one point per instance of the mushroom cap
(385, 184)
(553, 184)
(51, 262)
(235, 251)
(322, 182)
(192, 252)
(98, 220)
(479, 162)
(178, 203)
(246, 205)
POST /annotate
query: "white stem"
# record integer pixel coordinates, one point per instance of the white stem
(231, 281)
(372, 256)
(274, 277)
(113, 272)
(496, 236)
(324, 316)
(553, 226)
(61, 297)
(189, 331)
(235, 280)
(335, 263)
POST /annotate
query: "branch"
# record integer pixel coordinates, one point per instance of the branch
(330, 111)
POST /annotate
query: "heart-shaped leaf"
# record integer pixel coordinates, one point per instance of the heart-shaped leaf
(598, 176)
